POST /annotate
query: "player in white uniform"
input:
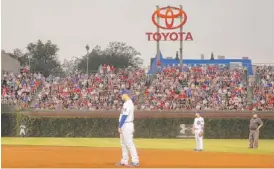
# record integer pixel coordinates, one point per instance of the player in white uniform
(198, 130)
(22, 130)
(126, 130)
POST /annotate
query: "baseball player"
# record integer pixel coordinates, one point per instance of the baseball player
(126, 130)
(254, 127)
(22, 130)
(198, 131)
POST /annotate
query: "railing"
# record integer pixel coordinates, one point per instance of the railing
(145, 111)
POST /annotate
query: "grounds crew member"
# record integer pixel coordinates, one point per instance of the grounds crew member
(254, 127)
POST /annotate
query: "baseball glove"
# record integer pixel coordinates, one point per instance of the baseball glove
(201, 134)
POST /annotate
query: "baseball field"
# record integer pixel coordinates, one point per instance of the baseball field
(105, 152)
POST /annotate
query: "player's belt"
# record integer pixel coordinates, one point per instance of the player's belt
(252, 129)
(129, 122)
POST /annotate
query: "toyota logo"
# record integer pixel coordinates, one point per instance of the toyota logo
(169, 14)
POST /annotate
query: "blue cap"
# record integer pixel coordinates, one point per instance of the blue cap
(198, 112)
(125, 91)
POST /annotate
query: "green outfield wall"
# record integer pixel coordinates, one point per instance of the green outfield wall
(41, 126)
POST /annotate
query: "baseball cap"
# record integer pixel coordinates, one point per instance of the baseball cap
(125, 91)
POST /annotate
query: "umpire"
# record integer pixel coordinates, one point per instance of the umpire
(255, 124)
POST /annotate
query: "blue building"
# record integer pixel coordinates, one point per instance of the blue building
(165, 62)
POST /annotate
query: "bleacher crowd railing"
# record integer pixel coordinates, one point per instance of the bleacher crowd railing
(85, 111)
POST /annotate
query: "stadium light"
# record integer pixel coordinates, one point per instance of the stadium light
(87, 48)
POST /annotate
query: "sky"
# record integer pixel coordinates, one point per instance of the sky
(231, 28)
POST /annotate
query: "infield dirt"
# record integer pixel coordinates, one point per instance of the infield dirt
(86, 157)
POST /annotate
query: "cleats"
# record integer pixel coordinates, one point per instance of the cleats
(134, 165)
(120, 164)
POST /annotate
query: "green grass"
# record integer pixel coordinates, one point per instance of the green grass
(214, 145)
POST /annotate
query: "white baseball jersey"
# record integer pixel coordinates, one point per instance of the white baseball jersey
(128, 109)
(22, 127)
(198, 123)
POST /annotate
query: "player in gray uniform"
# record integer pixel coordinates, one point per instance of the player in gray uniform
(254, 127)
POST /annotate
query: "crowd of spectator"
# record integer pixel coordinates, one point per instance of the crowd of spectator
(96, 91)
(18, 89)
(263, 89)
(197, 87)
(215, 87)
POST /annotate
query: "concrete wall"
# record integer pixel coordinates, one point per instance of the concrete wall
(9, 64)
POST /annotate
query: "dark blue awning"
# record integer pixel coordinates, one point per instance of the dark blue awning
(164, 62)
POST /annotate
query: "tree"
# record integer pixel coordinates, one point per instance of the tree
(117, 54)
(43, 58)
(70, 66)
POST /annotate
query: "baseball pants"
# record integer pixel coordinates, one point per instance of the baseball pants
(126, 139)
(22, 132)
(199, 140)
(253, 138)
